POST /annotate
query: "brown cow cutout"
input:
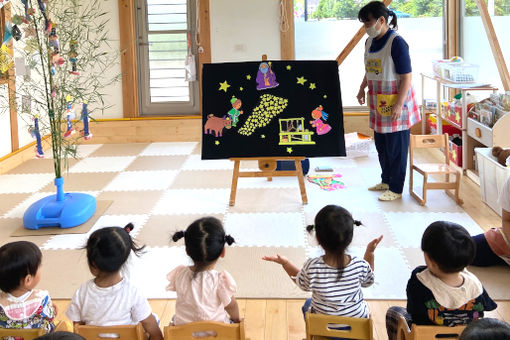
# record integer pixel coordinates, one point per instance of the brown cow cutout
(217, 124)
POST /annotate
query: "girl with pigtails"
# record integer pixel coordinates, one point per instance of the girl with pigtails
(202, 292)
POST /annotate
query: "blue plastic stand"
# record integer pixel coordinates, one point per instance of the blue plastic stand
(60, 210)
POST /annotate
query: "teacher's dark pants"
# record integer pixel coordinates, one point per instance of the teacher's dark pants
(392, 149)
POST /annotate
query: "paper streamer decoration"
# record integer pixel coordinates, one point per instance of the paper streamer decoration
(327, 182)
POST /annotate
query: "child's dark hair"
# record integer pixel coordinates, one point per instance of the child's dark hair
(334, 230)
(486, 329)
(109, 248)
(449, 245)
(204, 239)
(17, 260)
(375, 10)
(60, 335)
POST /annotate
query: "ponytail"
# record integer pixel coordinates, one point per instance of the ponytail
(393, 22)
(178, 235)
(229, 240)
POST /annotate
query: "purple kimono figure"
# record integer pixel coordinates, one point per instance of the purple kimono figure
(85, 117)
(266, 79)
(321, 127)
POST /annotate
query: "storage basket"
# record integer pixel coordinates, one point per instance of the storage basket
(436, 66)
(459, 72)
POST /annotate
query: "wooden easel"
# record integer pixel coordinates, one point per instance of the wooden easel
(267, 166)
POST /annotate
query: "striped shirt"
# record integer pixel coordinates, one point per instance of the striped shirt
(332, 296)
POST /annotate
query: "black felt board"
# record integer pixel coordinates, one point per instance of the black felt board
(291, 92)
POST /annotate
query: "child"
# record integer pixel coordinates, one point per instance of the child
(109, 299)
(335, 279)
(443, 292)
(393, 108)
(21, 305)
(486, 329)
(202, 292)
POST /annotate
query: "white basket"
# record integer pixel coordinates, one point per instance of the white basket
(356, 147)
(459, 72)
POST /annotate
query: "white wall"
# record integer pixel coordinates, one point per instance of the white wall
(243, 30)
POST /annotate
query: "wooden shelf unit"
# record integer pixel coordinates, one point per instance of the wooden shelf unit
(468, 142)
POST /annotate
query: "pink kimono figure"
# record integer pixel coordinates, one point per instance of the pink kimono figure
(321, 127)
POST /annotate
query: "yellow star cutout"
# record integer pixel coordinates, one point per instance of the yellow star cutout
(217, 142)
(325, 96)
(263, 136)
(248, 77)
(241, 89)
(289, 150)
(224, 86)
(289, 67)
(312, 86)
(301, 80)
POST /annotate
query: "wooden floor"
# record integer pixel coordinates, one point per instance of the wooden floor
(282, 319)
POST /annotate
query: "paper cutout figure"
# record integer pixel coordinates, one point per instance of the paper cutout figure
(269, 107)
(69, 116)
(234, 113)
(327, 182)
(56, 59)
(216, 125)
(266, 79)
(85, 118)
(292, 132)
(35, 133)
(47, 22)
(73, 54)
(321, 127)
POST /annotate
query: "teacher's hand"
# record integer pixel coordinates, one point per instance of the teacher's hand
(361, 96)
(396, 111)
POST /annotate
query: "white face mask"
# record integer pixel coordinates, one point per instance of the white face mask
(372, 32)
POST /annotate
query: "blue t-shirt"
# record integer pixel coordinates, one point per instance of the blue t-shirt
(399, 51)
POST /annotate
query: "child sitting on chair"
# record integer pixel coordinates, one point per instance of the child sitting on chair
(21, 305)
(203, 294)
(443, 292)
(335, 279)
(110, 299)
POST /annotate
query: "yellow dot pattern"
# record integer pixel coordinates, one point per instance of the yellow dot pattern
(269, 107)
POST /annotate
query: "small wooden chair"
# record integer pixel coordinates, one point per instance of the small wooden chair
(318, 327)
(129, 332)
(427, 169)
(29, 334)
(26, 334)
(199, 329)
(427, 332)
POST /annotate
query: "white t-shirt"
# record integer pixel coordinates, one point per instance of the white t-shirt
(202, 297)
(120, 304)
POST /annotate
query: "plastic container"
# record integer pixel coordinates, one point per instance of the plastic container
(492, 177)
(459, 72)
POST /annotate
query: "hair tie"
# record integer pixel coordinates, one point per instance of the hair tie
(310, 227)
(129, 227)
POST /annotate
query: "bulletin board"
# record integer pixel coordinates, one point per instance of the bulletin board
(272, 109)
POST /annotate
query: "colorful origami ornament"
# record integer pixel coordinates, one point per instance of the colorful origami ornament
(69, 116)
(6, 61)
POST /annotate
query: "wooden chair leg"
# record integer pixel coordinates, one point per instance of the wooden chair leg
(457, 190)
(424, 193)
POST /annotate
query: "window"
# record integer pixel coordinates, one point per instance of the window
(166, 30)
(324, 27)
(474, 42)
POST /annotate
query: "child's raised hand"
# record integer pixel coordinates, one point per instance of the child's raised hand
(373, 244)
(277, 259)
